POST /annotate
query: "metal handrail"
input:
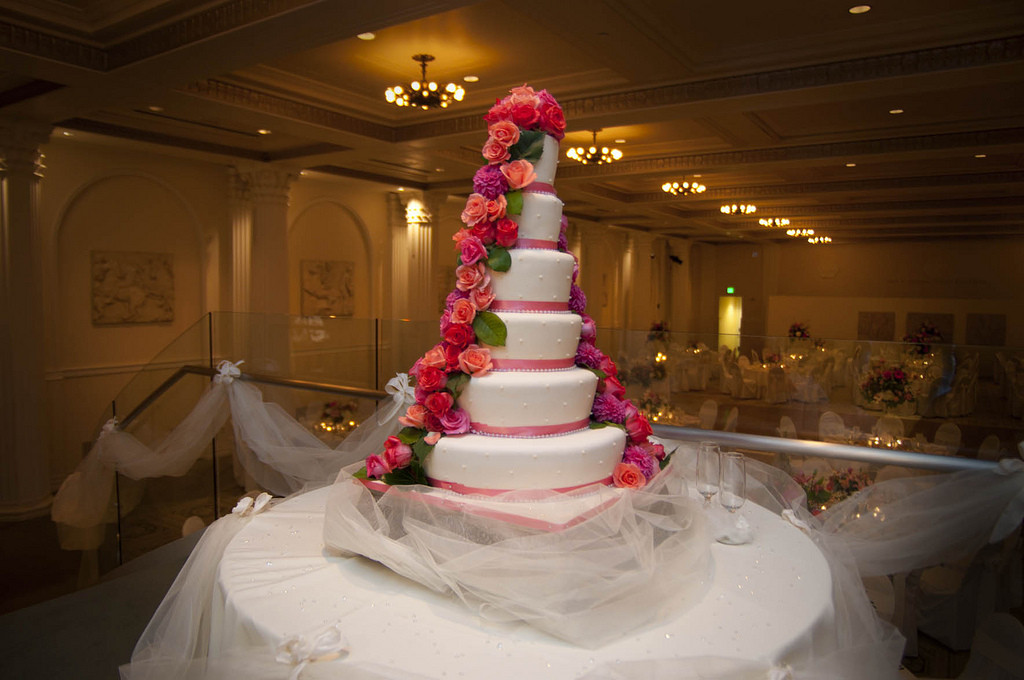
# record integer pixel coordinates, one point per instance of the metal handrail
(803, 447)
(249, 377)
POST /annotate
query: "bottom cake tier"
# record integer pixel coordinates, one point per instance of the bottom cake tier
(473, 463)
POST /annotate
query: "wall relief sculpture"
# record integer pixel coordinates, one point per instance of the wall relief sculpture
(132, 288)
(327, 288)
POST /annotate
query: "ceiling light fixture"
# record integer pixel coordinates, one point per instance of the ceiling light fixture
(263, 131)
(851, 165)
(774, 221)
(683, 188)
(816, 240)
(799, 232)
(423, 93)
(860, 9)
(366, 36)
(895, 112)
(470, 79)
(981, 155)
(738, 209)
(594, 155)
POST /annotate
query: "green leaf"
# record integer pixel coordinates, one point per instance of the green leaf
(529, 147)
(456, 383)
(514, 202)
(499, 259)
(601, 375)
(490, 329)
(420, 450)
(598, 424)
(409, 435)
(360, 473)
(406, 475)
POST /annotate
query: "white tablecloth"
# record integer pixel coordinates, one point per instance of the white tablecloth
(764, 601)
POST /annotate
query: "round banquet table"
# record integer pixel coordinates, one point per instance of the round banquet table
(765, 601)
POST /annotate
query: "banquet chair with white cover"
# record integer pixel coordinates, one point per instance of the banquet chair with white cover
(708, 414)
(989, 448)
(743, 361)
(786, 428)
(775, 389)
(831, 427)
(997, 651)
(755, 358)
(888, 427)
(732, 419)
(948, 435)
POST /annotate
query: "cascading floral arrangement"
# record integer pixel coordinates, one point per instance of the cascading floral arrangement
(799, 330)
(887, 386)
(516, 127)
(923, 339)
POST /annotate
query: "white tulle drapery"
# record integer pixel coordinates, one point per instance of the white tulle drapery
(642, 546)
(273, 448)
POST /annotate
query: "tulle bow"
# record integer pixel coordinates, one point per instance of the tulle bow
(227, 371)
(247, 506)
(402, 394)
(795, 521)
(109, 427)
(299, 651)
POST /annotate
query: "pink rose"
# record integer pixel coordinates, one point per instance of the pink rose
(475, 210)
(518, 173)
(484, 231)
(460, 235)
(432, 438)
(652, 449)
(376, 467)
(523, 96)
(431, 379)
(502, 110)
(472, 250)
(456, 421)
(396, 454)
(588, 331)
(482, 297)
(445, 321)
(637, 427)
(460, 335)
(414, 416)
(475, 360)
(608, 366)
(495, 152)
(504, 132)
(464, 311)
(628, 476)
(497, 208)
(507, 232)
(439, 403)
(434, 357)
(470, 276)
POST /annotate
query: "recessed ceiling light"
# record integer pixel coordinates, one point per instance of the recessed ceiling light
(895, 112)
(303, 172)
(620, 141)
(981, 155)
(366, 36)
(438, 169)
(68, 133)
(851, 165)
(263, 131)
(698, 175)
(860, 9)
(401, 188)
(155, 108)
(470, 79)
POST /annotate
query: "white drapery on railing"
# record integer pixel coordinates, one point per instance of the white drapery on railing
(279, 453)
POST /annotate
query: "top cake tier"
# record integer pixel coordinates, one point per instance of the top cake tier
(546, 166)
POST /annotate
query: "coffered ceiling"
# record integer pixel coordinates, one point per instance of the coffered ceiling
(788, 105)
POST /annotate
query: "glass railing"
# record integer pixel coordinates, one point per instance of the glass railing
(773, 394)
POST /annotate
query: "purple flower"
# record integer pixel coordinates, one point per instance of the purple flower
(563, 236)
(640, 458)
(588, 355)
(577, 299)
(608, 409)
(456, 421)
(456, 294)
(489, 182)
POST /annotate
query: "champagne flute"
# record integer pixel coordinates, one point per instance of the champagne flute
(708, 470)
(733, 481)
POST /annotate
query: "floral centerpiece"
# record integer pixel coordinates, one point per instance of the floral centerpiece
(516, 127)
(337, 417)
(825, 491)
(658, 333)
(923, 338)
(799, 331)
(655, 407)
(887, 386)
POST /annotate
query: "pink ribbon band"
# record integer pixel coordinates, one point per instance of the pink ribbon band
(536, 244)
(539, 188)
(530, 430)
(468, 490)
(531, 364)
(528, 306)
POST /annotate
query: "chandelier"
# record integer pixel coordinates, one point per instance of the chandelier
(594, 155)
(683, 188)
(423, 93)
(774, 222)
(738, 209)
(819, 239)
(799, 232)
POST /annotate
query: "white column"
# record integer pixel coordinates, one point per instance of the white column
(269, 273)
(412, 256)
(24, 445)
(240, 206)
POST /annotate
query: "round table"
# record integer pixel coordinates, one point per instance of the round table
(766, 600)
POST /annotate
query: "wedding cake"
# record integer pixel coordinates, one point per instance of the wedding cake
(516, 395)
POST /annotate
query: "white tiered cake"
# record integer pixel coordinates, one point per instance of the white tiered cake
(516, 396)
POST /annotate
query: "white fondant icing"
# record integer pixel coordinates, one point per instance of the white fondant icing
(535, 276)
(546, 166)
(568, 460)
(541, 217)
(543, 398)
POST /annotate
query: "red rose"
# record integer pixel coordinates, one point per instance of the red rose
(612, 386)
(525, 116)
(433, 424)
(485, 232)
(460, 335)
(637, 428)
(431, 379)
(507, 232)
(440, 403)
(396, 454)
(451, 356)
(608, 366)
(552, 121)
